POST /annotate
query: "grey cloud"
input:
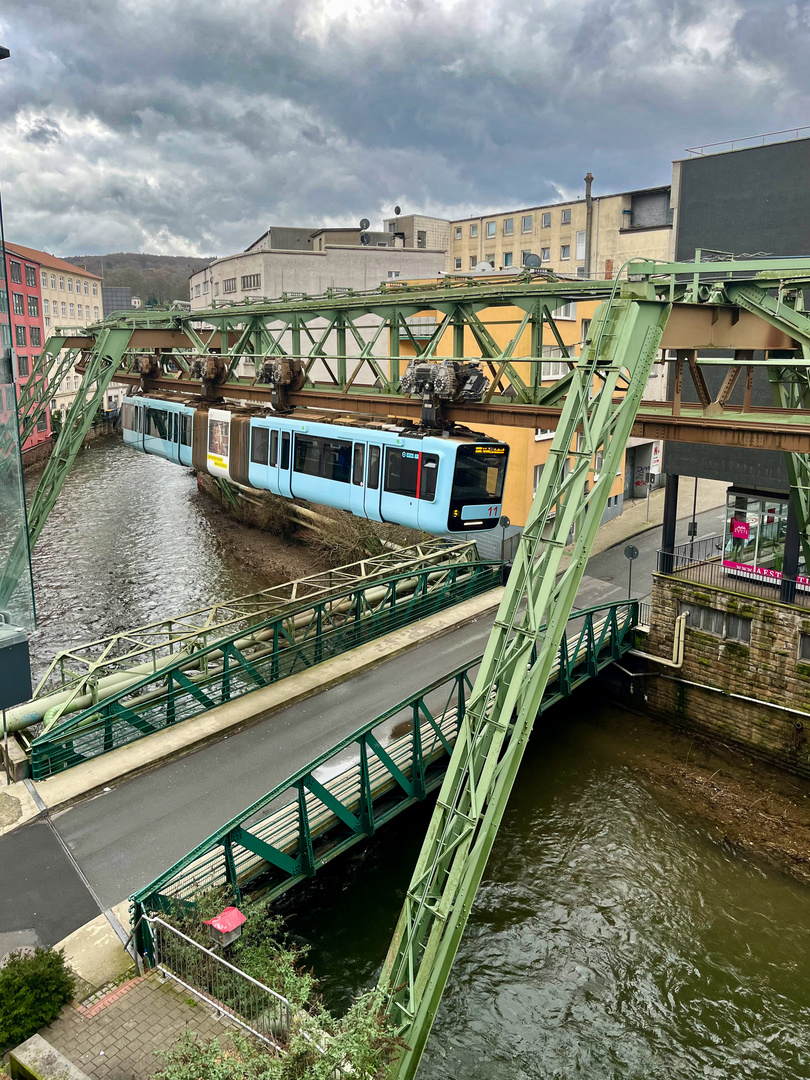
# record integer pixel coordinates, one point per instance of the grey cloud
(207, 122)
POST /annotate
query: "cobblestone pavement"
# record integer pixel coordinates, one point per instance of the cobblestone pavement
(116, 1038)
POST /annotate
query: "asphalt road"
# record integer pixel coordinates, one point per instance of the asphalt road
(125, 837)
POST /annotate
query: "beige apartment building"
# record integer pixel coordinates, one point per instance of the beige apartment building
(71, 298)
(622, 226)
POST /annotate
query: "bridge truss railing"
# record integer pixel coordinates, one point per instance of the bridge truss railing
(364, 780)
(236, 664)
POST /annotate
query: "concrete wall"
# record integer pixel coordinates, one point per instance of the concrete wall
(767, 669)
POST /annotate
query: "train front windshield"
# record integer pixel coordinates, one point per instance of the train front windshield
(478, 485)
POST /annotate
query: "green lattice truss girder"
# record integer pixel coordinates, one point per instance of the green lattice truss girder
(510, 684)
(102, 364)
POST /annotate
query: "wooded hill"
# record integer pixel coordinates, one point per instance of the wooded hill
(157, 279)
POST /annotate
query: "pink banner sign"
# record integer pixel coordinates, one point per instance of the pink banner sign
(740, 530)
(762, 572)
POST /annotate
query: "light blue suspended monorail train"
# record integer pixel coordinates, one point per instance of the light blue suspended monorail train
(431, 482)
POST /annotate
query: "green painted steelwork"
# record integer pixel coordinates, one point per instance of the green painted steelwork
(245, 660)
(515, 670)
(104, 361)
(307, 820)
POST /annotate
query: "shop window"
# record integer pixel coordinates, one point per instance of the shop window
(717, 623)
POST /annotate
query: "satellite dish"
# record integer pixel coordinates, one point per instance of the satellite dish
(365, 238)
(397, 210)
(364, 223)
(483, 267)
(533, 261)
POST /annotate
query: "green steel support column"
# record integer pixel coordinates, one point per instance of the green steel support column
(393, 349)
(509, 688)
(340, 332)
(102, 364)
(458, 336)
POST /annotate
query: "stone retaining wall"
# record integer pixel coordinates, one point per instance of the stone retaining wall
(767, 669)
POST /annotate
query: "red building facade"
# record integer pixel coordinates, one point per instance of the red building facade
(27, 328)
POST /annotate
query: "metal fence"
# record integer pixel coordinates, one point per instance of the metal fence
(275, 648)
(711, 572)
(265, 1013)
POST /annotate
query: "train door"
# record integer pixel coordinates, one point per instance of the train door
(285, 465)
(357, 498)
(398, 502)
(371, 492)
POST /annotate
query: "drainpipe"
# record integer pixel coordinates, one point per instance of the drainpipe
(588, 222)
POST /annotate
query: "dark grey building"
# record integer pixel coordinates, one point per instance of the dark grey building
(115, 298)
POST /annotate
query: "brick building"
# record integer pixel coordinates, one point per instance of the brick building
(27, 328)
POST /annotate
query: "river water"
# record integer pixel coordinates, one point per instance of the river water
(611, 938)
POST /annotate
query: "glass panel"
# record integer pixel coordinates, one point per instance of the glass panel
(374, 467)
(480, 472)
(260, 446)
(16, 584)
(359, 460)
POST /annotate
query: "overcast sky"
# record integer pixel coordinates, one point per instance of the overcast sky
(138, 125)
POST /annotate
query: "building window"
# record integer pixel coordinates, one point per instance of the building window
(457, 263)
(393, 274)
(205, 288)
(47, 321)
(36, 335)
(541, 434)
(72, 311)
(86, 290)
(64, 309)
(23, 369)
(44, 279)
(421, 238)
(19, 336)
(545, 254)
(75, 382)
(95, 312)
(490, 228)
(457, 232)
(95, 289)
(538, 472)
(490, 259)
(474, 230)
(46, 307)
(507, 258)
(473, 261)
(546, 221)
(70, 284)
(524, 256)
(717, 623)
(196, 290)
(567, 311)
(61, 283)
(565, 251)
(526, 223)
(229, 284)
(581, 245)
(804, 647)
(33, 306)
(53, 281)
(508, 226)
(87, 311)
(42, 423)
(251, 281)
(565, 217)
(16, 273)
(18, 303)
(31, 276)
(216, 288)
(584, 330)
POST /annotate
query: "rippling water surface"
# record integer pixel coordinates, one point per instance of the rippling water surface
(610, 938)
(129, 541)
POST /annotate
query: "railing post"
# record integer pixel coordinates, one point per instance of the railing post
(592, 659)
(418, 788)
(306, 859)
(366, 799)
(170, 703)
(230, 868)
(565, 670)
(226, 674)
(318, 633)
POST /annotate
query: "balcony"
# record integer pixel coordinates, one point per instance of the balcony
(701, 563)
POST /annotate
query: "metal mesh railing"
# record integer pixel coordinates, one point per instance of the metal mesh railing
(767, 584)
(265, 1013)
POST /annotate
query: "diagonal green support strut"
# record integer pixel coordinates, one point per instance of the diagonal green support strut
(509, 688)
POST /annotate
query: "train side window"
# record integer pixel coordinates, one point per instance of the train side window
(330, 459)
(157, 424)
(427, 479)
(128, 418)
(401, 472)
(285, 450)
(274, 448)
(373, 467)
(185, 430)
(259, 445)
(359, 461)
